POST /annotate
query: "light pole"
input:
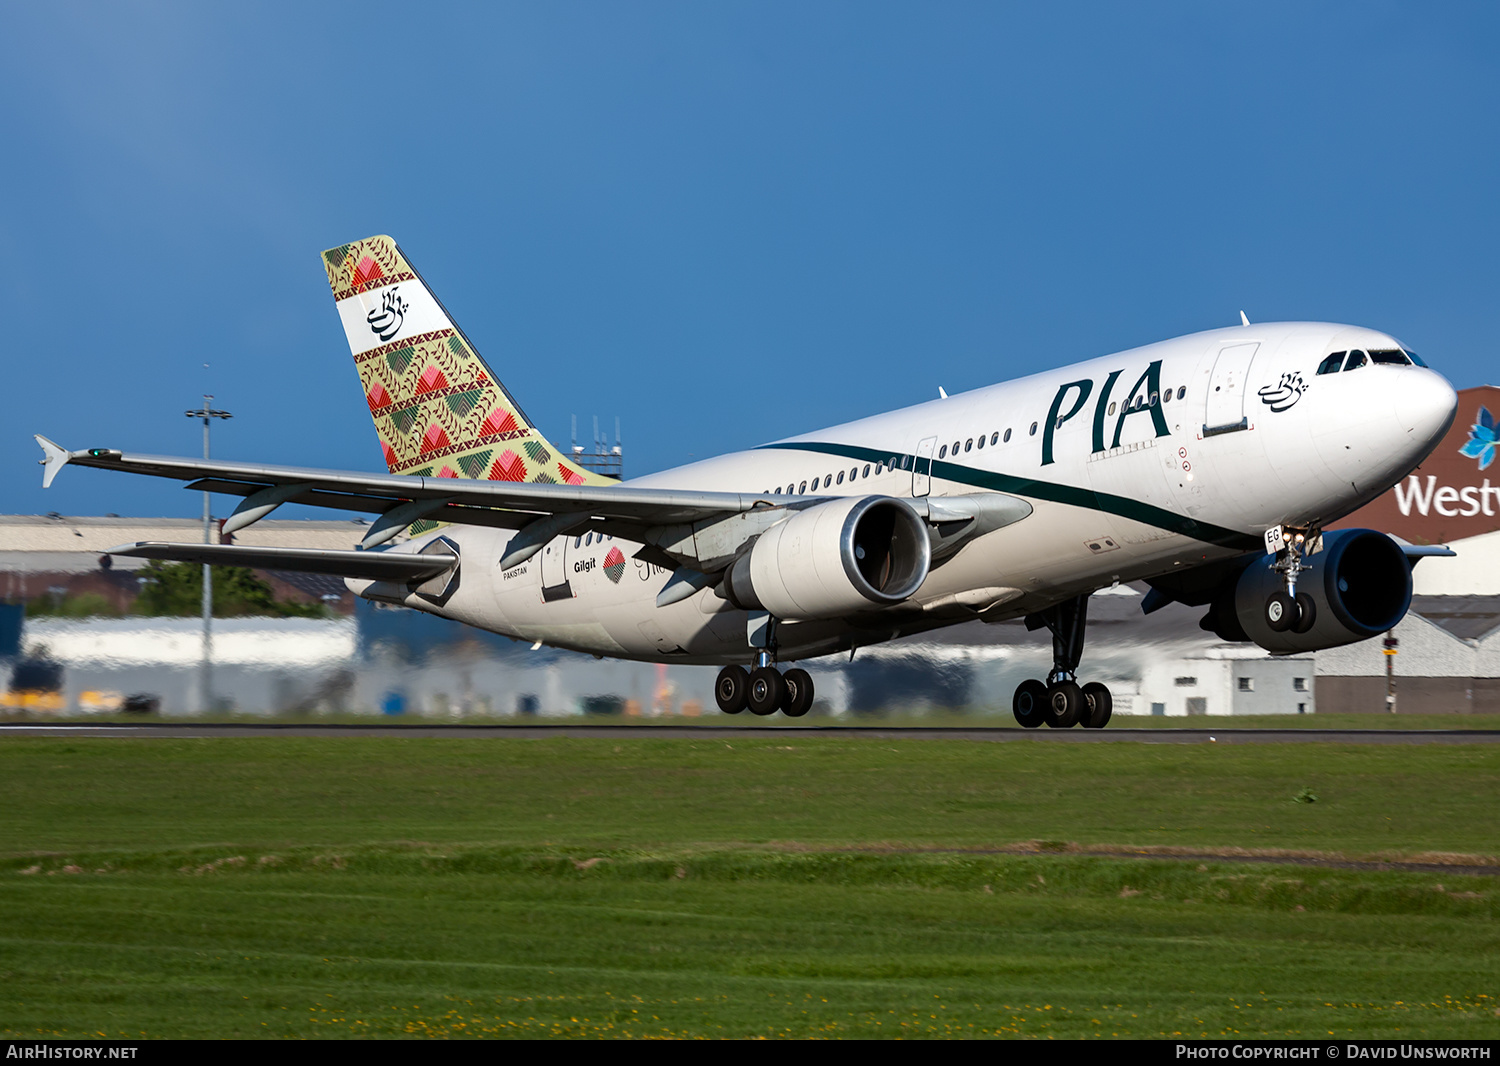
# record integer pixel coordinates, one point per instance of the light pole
(207, 413)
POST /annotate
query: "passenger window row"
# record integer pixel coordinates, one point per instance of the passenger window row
(957, 447)
(854, 473)
(585, 541)
(978, 442)
(995, 438)
(1143, 401)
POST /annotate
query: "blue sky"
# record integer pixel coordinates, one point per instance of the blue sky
(723, 223)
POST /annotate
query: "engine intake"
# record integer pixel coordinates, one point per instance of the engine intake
(833, 558)
(1360, 584)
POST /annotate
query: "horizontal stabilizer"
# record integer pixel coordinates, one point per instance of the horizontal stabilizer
(375, 565)
(55, 458)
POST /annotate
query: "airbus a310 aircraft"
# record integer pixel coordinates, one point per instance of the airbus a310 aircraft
(1207, 466)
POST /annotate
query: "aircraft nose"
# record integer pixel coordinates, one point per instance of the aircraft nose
(1425, 406)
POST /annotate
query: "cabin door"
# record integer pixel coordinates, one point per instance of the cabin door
(1225, 412)
(921, 471)
(555, 570)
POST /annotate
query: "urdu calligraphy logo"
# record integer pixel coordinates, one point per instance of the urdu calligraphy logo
(1284, 393)
(385, 320)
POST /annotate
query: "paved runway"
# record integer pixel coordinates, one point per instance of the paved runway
(730, 732)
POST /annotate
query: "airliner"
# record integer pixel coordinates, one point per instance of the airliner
(1208, 467)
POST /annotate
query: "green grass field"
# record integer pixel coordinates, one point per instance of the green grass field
(934, 718)
(778, 886)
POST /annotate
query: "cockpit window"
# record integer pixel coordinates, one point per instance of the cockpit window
(1414, 357)
(1389, 356)
(1355, 361)
(1331, 364)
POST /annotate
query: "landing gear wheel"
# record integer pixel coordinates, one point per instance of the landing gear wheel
(767, 690)
(799, 693)
(731, 689)
(1307, 613)
(1281, 612)
(1028, 703)
(1097, 706)
(1064, 702)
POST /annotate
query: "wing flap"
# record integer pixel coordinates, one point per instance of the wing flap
(348, 501)
(374, 565)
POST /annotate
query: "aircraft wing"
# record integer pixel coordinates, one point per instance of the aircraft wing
(700, 529)
(457, 499)
(375, 565)
(1415, 553)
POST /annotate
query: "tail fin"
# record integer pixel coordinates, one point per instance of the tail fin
(438, 408)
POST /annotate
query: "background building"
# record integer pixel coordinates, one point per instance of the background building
(363, 659)
(1448, 658)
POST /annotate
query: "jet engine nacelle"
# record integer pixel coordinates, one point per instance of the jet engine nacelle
(833, 558)
(1360, 584)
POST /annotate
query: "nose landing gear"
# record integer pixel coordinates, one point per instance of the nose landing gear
(1291, 609)
(1062, 702)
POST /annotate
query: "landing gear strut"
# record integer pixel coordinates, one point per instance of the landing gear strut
(1061, 702)
(764, 689)
(1291, 609)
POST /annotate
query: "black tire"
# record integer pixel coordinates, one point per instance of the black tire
(1281, 612)
(799, 692)
(1307, 613)
(766, 691)
(1064, 704)
(1028, 703)
(1098, 705)
(731, 689)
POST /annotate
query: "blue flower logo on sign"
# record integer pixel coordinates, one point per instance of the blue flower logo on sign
(1482, 440)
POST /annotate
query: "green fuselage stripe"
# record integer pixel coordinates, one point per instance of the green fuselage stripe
(1047, 490)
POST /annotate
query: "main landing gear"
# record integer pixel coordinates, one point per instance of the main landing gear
(1291, 609)
(1062, 702)
(764, 689)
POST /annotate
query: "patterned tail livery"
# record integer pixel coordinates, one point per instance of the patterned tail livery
(438, 409)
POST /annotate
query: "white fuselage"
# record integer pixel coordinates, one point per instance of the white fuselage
(1158, 458)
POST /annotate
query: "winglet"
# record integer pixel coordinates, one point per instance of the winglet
(56, 457)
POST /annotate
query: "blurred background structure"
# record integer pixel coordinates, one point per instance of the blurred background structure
(83, 632)
(631, 207)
